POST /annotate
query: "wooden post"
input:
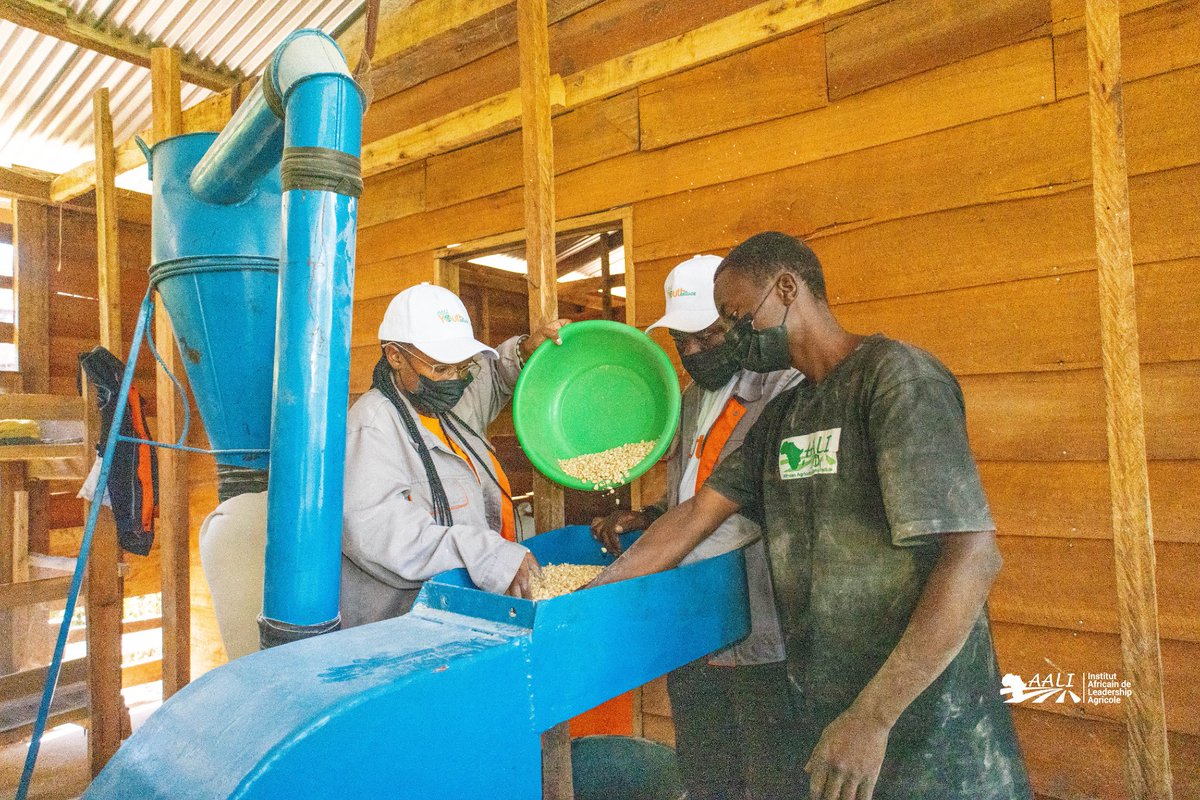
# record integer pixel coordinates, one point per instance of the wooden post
(10, 479)
(173, 523)
(106, 226)
(1148, 769)
(446, 274)
(31, 272)
(606, 276)
(537, 149)
(105, 595)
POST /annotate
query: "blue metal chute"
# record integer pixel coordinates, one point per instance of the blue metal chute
(448, 701)
(216, 269)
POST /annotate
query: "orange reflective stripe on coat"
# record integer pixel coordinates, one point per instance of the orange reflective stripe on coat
(145, 472)
(508, 526)
(717, 436)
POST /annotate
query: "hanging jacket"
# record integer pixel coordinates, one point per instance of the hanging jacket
(133, 476)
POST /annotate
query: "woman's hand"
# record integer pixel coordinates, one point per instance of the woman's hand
(521, 585)
(535, 338)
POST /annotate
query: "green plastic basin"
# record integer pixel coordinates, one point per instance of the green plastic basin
(608, 384)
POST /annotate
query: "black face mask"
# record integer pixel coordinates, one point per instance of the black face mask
(711, 369)
(438, 397)
(765, 350)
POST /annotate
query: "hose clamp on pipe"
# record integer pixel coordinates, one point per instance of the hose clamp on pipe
(321, 169)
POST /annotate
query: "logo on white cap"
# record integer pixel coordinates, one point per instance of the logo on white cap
(435, 321)
(689, 296)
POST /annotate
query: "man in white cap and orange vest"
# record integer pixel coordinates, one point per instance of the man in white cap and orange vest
(425, 491)
(732, 710)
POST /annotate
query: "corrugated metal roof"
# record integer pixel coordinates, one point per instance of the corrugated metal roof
(46, 98)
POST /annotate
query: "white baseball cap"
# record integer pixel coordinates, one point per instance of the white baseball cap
(434, 321)
(689, 291)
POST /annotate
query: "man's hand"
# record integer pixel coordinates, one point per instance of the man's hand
(521, 582)
(608, 530)
(846, 761)
(535, 338)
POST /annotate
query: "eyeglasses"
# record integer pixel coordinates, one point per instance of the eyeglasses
(466, 370)
(710, 337)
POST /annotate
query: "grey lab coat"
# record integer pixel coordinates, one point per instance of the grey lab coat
(764, 644)
(390, 542)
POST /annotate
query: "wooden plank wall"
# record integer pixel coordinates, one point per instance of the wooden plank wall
(936, 155)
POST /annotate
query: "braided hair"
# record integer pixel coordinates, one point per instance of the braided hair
(381, 379)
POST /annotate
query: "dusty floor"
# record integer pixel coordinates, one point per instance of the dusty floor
(62, 766)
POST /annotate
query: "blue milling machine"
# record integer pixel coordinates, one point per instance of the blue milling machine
(253, 255)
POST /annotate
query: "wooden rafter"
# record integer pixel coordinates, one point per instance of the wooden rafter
(60, 22)
(582, 258)
(22, 185)
(26, 185)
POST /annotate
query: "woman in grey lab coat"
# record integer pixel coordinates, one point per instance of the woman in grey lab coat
(424, 490)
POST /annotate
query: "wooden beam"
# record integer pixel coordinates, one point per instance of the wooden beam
(472, 36)
(82, 179)
(27, 593)
(174, 553)
(589, 286)
(404, 24)
(30, 682)
(1148, 766)
(495, 115)
(105, 595)
(756, 25)
(108, 257)
(41, 406)
(580, 259)
(743, 30)
(59, 21)
(23, 186)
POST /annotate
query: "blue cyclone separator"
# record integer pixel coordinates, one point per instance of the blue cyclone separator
(312, 379)
(216, 269)
(448, 701)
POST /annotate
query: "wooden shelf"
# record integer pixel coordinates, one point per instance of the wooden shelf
(40, 452)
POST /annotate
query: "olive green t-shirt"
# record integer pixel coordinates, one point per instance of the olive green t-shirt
(853, 479)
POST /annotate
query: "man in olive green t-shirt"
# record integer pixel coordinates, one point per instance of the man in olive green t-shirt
(881, 546)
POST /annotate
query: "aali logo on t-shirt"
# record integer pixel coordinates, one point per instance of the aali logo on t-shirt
(680, 293)
(808, 455)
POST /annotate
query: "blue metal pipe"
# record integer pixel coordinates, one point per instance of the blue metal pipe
(312, 371)
(246, 151)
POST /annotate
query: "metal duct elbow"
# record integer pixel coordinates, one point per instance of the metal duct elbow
(251, 145)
